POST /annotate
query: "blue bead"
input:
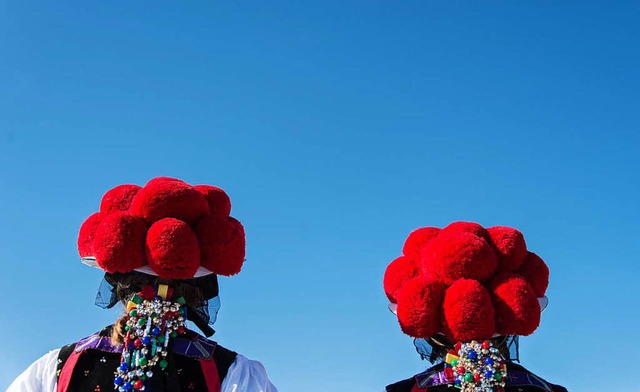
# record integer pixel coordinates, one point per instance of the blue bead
(155, 331)
(157, 298)
(472, 354)
(146, 340)
(127, 386)
(488, 374)
(118, 380)
(488, 361)
(124, 366)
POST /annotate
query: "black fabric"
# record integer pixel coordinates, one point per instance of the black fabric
(223, 358)
(408, 384)
(95, 370)
(402, 386)
(63, 355)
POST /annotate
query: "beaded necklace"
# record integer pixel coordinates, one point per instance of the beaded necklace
(476, 367)
(153, 319)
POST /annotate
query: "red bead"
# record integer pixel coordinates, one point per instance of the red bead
(181, 330)
(138, 384)
(486, 345)
(460, 369)
(476, 377)
(137, 343)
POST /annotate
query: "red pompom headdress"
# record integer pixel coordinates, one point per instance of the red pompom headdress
(167, 228)
(467, 282)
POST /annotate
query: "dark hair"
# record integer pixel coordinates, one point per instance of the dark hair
(194, 291)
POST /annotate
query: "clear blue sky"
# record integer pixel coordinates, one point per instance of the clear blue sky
(337, 128)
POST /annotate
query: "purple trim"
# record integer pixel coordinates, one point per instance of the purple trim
(515, 378)
(97, 342)
(193, 347)
(431, 378)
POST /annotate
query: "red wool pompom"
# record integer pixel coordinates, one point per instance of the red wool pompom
(119, 242)
(510, 245)
(162, 179)
(87, 235)
(419, 307)
(516, 305)
(536, 272)
(468, 312)
(118, 198)
(468, 227)
(169, 199)
(219, 202)
(454, 255)
(172, 249)
(398, 272)
(417, 240)
(222, 244)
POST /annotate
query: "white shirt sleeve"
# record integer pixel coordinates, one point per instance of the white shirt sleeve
(39, 377)
(246, 375)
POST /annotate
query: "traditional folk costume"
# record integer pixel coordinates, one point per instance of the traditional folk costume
(161, 247)
(465, 293)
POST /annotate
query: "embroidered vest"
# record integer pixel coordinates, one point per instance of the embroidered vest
(195, 364)
(435, 379)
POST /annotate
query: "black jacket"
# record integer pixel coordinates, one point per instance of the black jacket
(411, 384)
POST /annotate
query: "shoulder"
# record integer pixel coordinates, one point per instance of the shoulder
(247, 375)
(401, 386)
(519, 376)
(40, 376)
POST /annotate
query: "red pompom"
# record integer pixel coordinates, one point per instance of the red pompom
(419, 307)
(87, 235)
(118, 198)
(172, 249)
(468, 312)
(510, 245)
(169, 199)
(398, 272)
(119, 242)
(454, 255)
(222, 244)
(162, 179)
(536, 272)
(417, 240)
(219, 202)
(468, 227)
(516, 305)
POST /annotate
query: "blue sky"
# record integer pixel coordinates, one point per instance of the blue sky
(336, 128)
